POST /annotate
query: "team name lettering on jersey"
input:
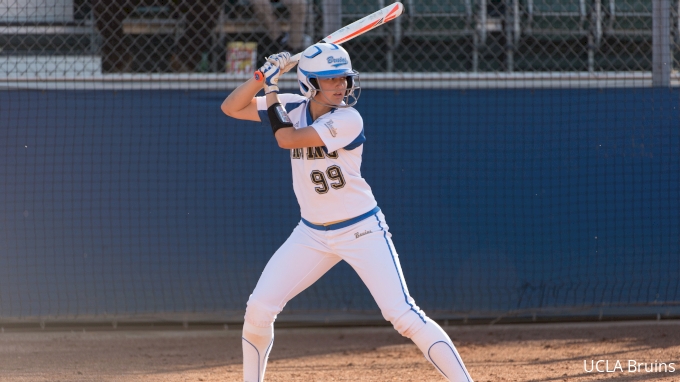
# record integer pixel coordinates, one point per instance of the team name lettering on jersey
(312, 153)
(358, 235)
(331, 128)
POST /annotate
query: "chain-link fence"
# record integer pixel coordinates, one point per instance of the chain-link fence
(524, 162)
(81, 37)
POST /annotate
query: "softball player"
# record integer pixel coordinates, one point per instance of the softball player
(340, 217)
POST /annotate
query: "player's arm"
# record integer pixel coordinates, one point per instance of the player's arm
(241, 103)
(288, 137)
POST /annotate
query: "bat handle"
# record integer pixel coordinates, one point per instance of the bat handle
(259, 77)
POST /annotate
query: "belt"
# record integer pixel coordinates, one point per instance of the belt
(342, 224)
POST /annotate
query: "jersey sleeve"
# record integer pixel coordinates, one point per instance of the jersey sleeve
(341, 129)
(285, 100)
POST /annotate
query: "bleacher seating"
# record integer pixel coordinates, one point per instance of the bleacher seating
(432, 35)
(628, 30)
(151, 20)
(629, 18)
(556, 18)
(70, 30)
(236, 16)
(438, 21)
(150, 26)
(46, 41)
(572, 27)
(436, 18)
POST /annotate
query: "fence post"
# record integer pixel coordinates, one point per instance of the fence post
(661, 43)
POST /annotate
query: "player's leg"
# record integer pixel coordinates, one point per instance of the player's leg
(374, 258)
(296, 265)
(438, 348)
(257, 343)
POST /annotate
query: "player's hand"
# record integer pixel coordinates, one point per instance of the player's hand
(282, 61)
(271, 75)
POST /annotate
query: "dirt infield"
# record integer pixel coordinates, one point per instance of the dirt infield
(536, 352)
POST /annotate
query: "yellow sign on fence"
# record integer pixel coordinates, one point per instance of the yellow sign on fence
(241, 57)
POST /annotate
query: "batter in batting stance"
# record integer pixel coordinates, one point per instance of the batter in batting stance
(340, 217)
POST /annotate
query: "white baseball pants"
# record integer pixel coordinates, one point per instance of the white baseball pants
(307, 255)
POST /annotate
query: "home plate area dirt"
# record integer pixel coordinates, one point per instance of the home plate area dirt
(621, 351)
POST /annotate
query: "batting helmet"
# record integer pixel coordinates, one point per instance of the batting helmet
(324, 60)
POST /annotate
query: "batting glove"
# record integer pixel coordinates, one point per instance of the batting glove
(282, 61)
(271, 75)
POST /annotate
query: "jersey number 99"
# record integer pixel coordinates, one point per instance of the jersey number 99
(319, 178)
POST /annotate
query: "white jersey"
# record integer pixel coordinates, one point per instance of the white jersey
(327, 180)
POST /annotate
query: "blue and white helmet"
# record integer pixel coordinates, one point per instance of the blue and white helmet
(324, 60)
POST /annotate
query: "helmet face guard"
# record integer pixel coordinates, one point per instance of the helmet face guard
(325, 61)
(352, 92)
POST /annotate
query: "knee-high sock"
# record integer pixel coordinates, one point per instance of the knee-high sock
(257, 342)
(437, 347)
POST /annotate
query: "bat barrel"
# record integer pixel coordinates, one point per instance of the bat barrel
(357, 28)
